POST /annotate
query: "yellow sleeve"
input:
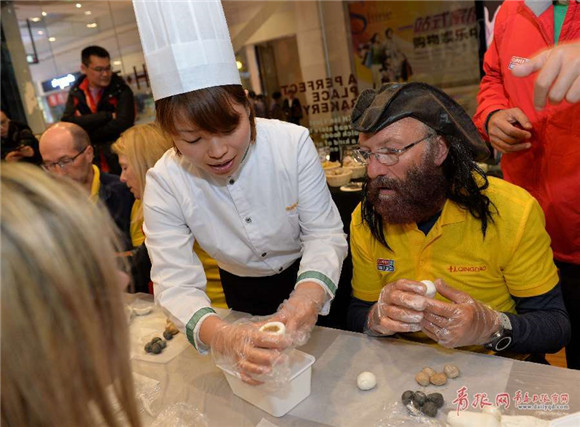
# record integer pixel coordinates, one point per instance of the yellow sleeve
(136, 227)
(366, 282)
(214, 289)
(531, 270)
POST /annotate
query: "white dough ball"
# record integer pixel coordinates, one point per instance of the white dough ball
(431, 289)
(492, 410)
(366, 380)
(276, 328)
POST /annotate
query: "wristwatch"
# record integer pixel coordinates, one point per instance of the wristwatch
(502, 339)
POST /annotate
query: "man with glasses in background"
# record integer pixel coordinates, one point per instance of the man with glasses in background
(66, 150)
(102, 104)
(430, 213)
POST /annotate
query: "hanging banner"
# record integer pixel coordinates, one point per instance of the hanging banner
(432, 42)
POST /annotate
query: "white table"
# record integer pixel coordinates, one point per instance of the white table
(335, 400)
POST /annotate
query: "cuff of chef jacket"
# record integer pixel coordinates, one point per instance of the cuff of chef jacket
(327, 284)
(194, 325)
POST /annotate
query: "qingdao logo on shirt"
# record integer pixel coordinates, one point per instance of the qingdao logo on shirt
(466, 268)
(385, 264)
(516, 60)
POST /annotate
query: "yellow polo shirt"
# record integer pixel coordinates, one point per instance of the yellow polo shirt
(514, 257)
(214, 289)
(136, 228)
(95, 185)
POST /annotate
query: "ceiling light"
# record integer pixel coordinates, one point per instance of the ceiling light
(44, 13)
(40, 32)
(116, 62)
(78, 5)
(88, 12)
(92, 25)
(35, 19)
(52, 39)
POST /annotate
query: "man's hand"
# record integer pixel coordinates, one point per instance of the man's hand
(559, 74)
(399, 308)
(19, 154)
(463, 321)
(504, 133)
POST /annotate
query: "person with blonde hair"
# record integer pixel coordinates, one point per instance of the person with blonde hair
(138, 149)
(65, 340)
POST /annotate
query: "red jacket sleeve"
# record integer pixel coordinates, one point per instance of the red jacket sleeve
(492, 95)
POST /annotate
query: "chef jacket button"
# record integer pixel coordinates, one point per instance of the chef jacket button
(280, 269)
(248, 220)
(232, 181)
(264, 254)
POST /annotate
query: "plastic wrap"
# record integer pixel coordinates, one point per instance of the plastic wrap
(180, 414)
(147, 391)
(396, 414)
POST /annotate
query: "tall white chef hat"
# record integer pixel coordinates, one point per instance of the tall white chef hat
(186, 44)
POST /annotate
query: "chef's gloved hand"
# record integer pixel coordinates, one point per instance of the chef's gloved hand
(299, 312)
(463, 321)
(247, 351)
(399, 308)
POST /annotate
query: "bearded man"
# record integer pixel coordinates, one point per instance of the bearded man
(430, 213)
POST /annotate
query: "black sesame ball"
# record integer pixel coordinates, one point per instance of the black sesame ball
(148, 347)
(162, 343)
(156, 348)
(407, 397)
(436, 398)
(429, 408)
(155, 340)
(167, 335)
(419, 398)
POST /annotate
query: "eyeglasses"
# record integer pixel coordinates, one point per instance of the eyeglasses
(62, 163)
(386, 156)
(101, 69)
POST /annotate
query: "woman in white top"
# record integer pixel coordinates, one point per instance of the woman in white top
(252, 193)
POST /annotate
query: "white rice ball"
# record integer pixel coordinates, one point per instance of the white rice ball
(431, 289)
(366, 380)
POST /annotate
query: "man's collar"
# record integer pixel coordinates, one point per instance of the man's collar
(452, 213)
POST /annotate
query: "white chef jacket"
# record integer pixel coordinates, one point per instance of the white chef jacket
(275, 209)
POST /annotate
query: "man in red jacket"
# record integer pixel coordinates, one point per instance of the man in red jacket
(541, 143)
(102, 104)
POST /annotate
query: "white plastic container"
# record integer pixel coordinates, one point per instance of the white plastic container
(277, 402)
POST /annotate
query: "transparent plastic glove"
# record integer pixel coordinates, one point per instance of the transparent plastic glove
(300, 311)
(399, 308)
(248, 352)
(463, 321)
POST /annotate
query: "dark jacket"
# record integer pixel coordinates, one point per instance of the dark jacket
(294, 113)
(119, 201)
(19, 134)
(101, 127)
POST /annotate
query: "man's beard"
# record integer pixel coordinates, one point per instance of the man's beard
(420, 196)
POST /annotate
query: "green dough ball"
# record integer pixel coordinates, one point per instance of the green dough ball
(419, 398)
(407, 397)
(429, 408)
(436, 398)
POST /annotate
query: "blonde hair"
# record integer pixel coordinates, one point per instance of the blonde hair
(65, 341)
(143, 145)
